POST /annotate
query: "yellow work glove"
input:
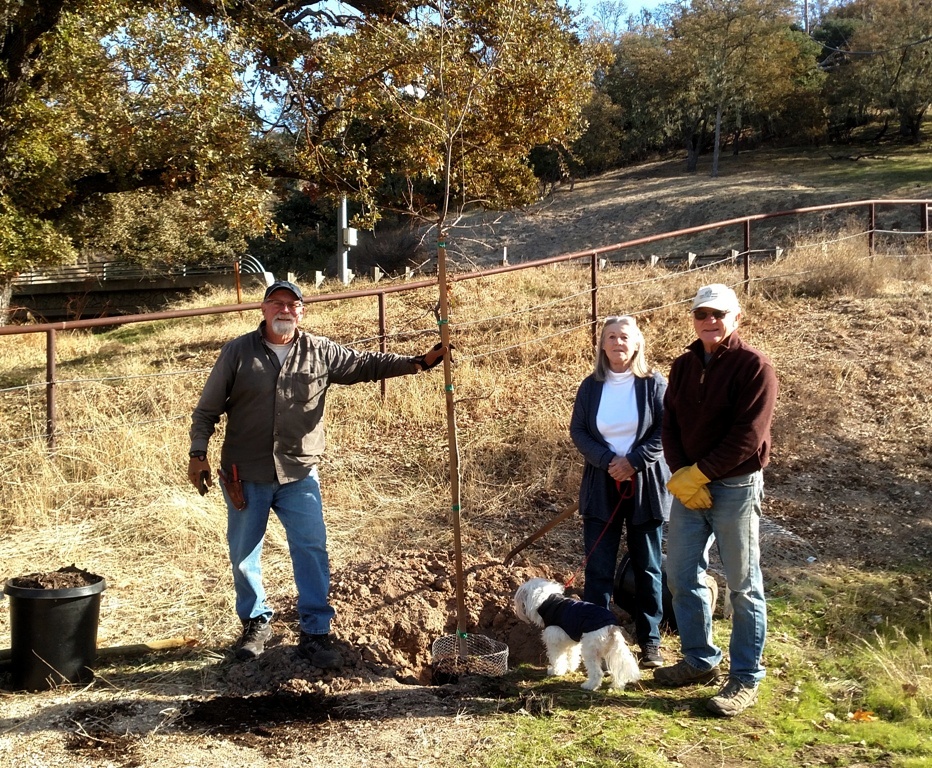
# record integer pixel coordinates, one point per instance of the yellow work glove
(686, 483)
(702, 499)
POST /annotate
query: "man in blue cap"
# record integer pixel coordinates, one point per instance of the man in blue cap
(271, 384)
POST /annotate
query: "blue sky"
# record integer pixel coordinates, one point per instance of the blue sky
(631, 6)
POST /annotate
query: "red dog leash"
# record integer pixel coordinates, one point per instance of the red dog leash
(627, 493)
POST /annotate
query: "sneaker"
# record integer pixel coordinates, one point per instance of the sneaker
(651, 657)
(684, 673)
(733, 699)
(256, 633)
(319, 650)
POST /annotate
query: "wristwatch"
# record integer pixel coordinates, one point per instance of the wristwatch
(199, 455)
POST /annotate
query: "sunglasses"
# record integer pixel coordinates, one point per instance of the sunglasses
(702, 314)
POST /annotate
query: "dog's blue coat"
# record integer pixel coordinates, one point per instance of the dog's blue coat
(575, 617)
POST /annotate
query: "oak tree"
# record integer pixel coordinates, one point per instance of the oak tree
(159, 129)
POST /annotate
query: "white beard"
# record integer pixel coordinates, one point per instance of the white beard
(284, 328)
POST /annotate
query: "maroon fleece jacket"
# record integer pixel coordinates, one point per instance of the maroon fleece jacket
(718, 414)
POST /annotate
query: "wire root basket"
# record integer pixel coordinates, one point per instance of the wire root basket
(483, 656)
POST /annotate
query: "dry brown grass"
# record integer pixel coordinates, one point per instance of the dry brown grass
(114, 497)
(850, 476)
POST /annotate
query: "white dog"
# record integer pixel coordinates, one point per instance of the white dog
(575, 630)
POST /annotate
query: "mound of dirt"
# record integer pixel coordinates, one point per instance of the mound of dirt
(389, 613)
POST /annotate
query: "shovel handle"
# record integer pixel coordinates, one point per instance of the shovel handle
(541, 531)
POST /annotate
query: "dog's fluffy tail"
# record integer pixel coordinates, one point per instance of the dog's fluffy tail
(619, 659)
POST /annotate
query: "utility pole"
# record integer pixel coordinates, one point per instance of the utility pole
(345, 236)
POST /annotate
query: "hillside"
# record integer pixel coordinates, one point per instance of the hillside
(661, 197)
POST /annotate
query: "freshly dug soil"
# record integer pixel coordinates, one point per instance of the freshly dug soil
(389, 612)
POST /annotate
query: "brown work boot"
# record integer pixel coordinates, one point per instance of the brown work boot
(683, 673)
(256, 633)
(733, 699)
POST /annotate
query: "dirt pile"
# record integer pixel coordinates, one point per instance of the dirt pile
(390, 610)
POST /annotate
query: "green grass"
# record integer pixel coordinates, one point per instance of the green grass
(839, 692)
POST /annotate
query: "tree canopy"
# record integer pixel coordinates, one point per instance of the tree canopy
(163, 129)
(885, 60)
(160, 130)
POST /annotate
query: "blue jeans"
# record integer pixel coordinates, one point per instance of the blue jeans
(734, 522)
(645, 543)
(299, 508)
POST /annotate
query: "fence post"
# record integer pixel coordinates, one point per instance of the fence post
(382, 383)
(50, 417)
(594, 270)
(747, 257)
(871, 228)
(924, 221)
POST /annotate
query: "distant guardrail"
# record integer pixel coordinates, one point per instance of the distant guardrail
(103, 271)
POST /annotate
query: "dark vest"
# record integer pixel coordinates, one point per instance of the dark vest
(575, 617)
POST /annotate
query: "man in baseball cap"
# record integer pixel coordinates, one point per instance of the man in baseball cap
(716, 313)
(271, 384)
(718, 409)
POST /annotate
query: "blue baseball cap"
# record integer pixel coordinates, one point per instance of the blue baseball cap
(288, 286)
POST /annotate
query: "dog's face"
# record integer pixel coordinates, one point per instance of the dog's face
(530, 595)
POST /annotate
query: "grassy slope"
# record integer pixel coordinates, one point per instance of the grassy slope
(661, 197)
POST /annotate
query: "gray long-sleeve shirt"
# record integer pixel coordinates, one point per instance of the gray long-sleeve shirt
(275, 414)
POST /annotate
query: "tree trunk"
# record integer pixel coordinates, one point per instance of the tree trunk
(694, 139)
(693, 142)
(717, 148)
(911, 124)
(6, 295)
(692, 154)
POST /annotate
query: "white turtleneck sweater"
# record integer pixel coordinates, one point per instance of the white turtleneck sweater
(617, 417)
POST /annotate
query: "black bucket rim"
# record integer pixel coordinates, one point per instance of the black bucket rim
(9, 588)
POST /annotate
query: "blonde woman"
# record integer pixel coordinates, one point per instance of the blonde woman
(616, 424)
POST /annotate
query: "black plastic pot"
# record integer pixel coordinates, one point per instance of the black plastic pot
(53, 635)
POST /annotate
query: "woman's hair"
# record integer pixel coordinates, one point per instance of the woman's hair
(639, 365)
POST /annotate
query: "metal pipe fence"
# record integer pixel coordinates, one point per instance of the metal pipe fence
(103, 271)
(594, 257)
